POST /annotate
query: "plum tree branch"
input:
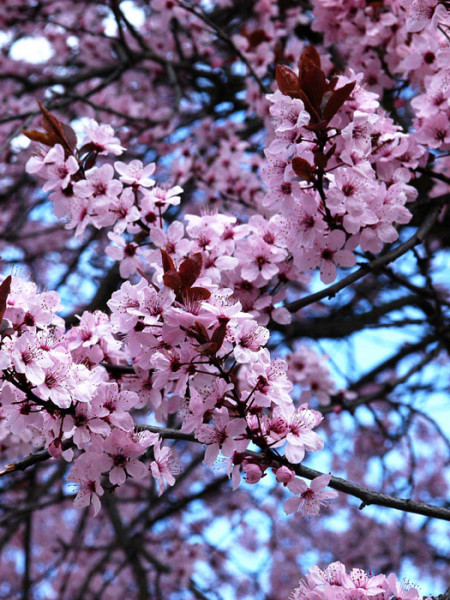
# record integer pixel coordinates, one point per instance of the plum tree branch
(366, 496)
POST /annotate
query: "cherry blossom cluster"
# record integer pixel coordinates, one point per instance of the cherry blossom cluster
(192, 328)
(193, 332)
(376, 38)
(395, 42)
(189, 353)
(182, 348)
(337, 169)
(55, 394)
(335, 583)
(134, 207)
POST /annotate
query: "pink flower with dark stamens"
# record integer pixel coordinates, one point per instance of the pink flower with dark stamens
(308, 499)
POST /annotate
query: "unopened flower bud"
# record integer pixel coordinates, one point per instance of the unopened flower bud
(284, 475)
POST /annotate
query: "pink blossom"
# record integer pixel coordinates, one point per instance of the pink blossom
(163, 198)
(121, 449)
(221, 436)
(163, 467)
(86, 472)
(102, 138)
(126, 253)
(250, 338)
(309, 499)
(114, 406)
(299, 434)
(327, 253)
(29, 359)
(58, 169)
(135, 174)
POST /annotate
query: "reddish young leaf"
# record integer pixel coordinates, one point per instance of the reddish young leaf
(90, 161)
(315, 117)
(313, 84)
(218, 335)
(167, 262)
(194, 294)
(311, 55)
(70, 136)
(199, 333)
(173, 281)
(190, 269)
(207, 349)
(40, 137)
(287, 81)
(54, 127)
(56, 133)
(336, 100)
(332, 84)
(87, 148)
(5, 288)
(320, 160)
(302, 168)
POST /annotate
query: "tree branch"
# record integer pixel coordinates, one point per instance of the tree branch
(365, 495)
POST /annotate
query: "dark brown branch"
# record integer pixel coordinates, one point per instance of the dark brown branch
(130, 549)
(343, 323)
(365, 495)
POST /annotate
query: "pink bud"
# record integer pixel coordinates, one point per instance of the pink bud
(253, 472)
(284, 475)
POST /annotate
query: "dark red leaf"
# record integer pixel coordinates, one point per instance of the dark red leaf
(332, 84)
(196, 293)
(320, 160)
(55, 128)
(56, 132)
(70, 136)
(287, 81)
(167, 262)
(173, 281)
(313, 84)
(336, 100)
(209, 349)
(302, 168)
(190, 269)
(40, 137)
(310, 55)
(5, 288)
(90, 161)
(308, 106)
(218, 335)
(86, 148)
(199, 333)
